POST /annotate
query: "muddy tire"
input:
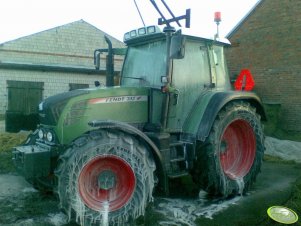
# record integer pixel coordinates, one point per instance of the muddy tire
(230, 159)
(106, 176)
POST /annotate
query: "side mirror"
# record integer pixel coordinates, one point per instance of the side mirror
(177, 46)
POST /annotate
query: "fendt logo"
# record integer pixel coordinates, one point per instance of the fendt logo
(119, 99)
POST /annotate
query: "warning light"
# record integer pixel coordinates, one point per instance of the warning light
(244, 81)
(217, 20)
(217, 17)
(282, 215)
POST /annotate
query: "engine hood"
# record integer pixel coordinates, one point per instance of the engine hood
(69, 113)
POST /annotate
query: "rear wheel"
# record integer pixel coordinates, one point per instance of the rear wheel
(230, 159)
(105, 177)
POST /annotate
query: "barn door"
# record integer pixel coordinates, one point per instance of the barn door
(23, 100)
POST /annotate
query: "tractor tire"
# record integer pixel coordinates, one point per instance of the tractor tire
(230, 158)
(105, 177)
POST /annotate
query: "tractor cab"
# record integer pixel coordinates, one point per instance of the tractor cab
(163, 61)
(177, 68)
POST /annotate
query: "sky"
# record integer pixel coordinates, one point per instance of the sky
(20, 18)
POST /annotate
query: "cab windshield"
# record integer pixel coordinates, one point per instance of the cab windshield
(144, 65)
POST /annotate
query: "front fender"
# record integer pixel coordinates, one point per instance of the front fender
(105, 124)
(126, 128)
(207, 109)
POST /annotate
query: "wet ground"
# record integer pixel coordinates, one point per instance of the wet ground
(22, 205)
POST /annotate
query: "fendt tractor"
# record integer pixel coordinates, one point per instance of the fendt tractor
(106, 150)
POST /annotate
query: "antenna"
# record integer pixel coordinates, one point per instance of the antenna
(163, 19)
(139, 13)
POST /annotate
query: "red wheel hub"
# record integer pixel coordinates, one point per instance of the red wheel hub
(238, 149)
(106, 180)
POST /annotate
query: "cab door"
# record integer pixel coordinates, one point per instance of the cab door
(190, 78)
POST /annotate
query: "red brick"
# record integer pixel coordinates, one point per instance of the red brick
(268, 42)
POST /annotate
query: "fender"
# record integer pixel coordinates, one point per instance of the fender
(217, 101)
(133, 130)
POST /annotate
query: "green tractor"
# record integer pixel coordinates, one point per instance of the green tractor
(105, 150)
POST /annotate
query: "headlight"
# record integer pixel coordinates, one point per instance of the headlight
(49, 136)
(41, 134)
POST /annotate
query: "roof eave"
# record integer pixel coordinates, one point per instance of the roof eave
(51, 68)
(239, 24)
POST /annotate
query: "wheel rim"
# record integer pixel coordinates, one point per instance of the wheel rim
(106, 181)
(238, 149)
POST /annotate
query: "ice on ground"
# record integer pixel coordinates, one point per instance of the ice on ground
(27, 222)
(58, 219)
(284, 149)
(185, 212)
(29, 190)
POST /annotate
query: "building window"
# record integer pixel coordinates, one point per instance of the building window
(73, 86)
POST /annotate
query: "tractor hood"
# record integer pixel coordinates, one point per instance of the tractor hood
(69, 113)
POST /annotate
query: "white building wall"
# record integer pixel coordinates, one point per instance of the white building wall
(54, 82)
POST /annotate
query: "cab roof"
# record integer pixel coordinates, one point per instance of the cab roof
(151, 33)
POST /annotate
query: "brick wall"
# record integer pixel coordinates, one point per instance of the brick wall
(268, 42)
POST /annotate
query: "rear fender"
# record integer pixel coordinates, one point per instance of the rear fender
(216, 103)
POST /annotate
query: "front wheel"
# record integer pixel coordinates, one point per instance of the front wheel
(230, 159)
(105, 177)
